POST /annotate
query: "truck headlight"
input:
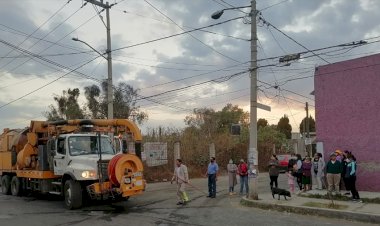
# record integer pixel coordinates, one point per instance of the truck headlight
(88, 174)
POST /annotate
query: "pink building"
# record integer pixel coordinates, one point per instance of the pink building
(347, 103)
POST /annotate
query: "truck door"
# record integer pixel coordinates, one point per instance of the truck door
(60, 159)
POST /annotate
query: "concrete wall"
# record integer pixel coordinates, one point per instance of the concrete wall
(347, 97)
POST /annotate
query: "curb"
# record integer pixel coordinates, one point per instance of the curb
(347, 215)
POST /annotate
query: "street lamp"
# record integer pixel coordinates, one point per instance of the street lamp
(78, 40)
(219, 13)
(252, 155)
(109, 80)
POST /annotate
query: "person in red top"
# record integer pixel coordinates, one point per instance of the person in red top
(243, 173)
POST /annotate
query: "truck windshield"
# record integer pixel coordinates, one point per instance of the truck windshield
(87, 145)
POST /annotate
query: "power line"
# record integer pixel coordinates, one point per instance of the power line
(169, 22)
(278, 43)
(18, 66)
(222, 79)
(208, 46)
(174, 35)
(259, 60)
(39, 27)
(20, 33)
(273, 5)
(298, 43)
(52, 30)
(193, 76)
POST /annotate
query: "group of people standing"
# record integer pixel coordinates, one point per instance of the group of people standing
(242, 171)
(340, 169)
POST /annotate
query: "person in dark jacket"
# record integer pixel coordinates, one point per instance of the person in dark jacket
(350, 175)
(298, 169)
(333, 173)
(306, 173)
(273, 171)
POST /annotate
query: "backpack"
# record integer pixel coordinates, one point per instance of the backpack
(243, 169)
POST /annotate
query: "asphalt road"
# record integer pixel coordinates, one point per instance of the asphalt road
(157, 206)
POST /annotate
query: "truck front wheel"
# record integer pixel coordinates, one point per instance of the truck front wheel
(73, 194)
(6, 185)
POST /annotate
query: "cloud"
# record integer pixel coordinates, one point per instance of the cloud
(153, 67)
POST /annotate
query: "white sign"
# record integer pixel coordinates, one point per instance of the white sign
(156, 153)
(307, 141)
(252, 156)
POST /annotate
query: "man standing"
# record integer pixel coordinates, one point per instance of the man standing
(212, 171)
(333, 169)
(243, 173)
(181, 176)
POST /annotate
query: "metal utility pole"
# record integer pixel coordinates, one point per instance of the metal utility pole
(252, 151)
(109, 58)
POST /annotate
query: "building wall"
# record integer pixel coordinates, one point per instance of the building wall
(347, 102)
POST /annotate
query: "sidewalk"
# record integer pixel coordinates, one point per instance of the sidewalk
(315, 203)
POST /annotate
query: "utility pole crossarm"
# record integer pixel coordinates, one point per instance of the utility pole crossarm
(101, 4)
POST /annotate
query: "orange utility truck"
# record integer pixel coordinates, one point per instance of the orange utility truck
(72, 158)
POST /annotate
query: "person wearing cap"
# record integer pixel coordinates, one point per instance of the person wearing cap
(339, 155)
(212, 171)
(334, 170)
(243, 173)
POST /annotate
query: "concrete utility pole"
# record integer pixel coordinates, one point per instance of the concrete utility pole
(109, 58)
(252, 151)
(308, 128)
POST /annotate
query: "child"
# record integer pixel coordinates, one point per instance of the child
(291, 181)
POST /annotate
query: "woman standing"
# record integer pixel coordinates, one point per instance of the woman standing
(351, 177)
(273, 171)
(232, 170)
(306, 173)
(317, 171)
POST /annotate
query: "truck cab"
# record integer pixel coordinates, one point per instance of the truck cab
(78, 155)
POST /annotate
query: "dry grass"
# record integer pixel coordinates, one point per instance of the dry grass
(326, 205)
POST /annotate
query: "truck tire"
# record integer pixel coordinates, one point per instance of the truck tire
(73, 194)
(16, 188)
(5, 185)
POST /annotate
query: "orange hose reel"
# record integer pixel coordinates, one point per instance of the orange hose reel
(120, 165)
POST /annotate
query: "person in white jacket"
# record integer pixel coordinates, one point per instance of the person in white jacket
(181, 176)
(317, 171)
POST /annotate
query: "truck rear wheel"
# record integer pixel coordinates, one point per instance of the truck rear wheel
(73, 194)
(16, 187)
(6, 185)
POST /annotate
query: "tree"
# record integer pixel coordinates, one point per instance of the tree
(92, 94)
(284, 127)
(231, 114)
(96, 106)
(262, 123)
(269, 135)
(67, 106)
(124, 102)
(311, 124)
(204, 119)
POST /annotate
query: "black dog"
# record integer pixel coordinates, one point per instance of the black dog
(280, 192)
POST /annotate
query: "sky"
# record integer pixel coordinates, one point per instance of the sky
(203, 68)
